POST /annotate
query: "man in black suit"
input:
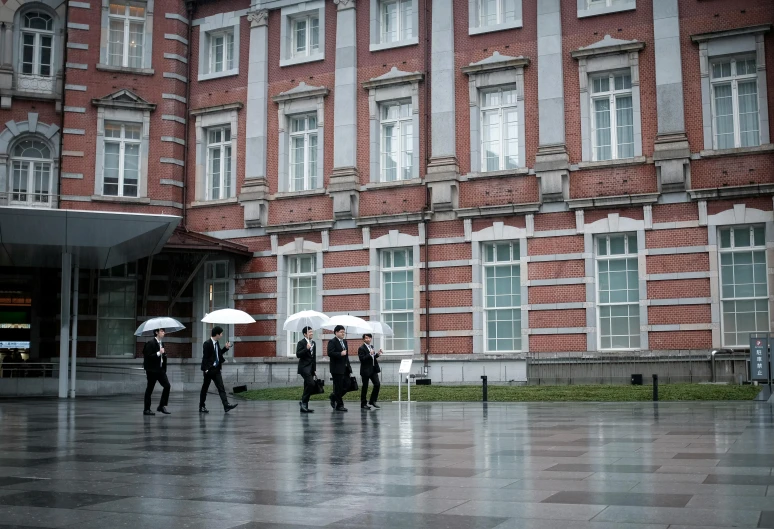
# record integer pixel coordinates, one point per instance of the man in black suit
(340, 368)
(369, 370)
(212, 361)
(306, 352)
(155, 364)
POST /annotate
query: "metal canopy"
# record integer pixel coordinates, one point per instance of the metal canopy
(38, 237)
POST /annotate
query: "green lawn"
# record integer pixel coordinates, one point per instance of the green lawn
(590, 393)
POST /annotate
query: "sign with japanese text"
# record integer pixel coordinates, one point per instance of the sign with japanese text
(759, 358)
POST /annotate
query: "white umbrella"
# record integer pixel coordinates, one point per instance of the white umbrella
(228, 317)
(305, 318)
(168, 324)
(378, 327)
(352, 323)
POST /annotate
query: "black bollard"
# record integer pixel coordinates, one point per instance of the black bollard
(655, 388)
(483, 382)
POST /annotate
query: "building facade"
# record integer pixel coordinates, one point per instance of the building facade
(495, 179)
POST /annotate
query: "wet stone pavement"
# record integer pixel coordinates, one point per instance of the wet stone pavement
(99, 463)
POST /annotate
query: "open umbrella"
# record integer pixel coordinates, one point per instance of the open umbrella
(305, 318)
(352, 323)
(228, 317)
(168, 324)
(378, 327)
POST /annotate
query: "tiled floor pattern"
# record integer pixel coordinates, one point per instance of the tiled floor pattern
(100, 464)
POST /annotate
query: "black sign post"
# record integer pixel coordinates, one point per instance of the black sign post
(759, 358)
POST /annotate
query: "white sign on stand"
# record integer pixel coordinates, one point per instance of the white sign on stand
(404, 369)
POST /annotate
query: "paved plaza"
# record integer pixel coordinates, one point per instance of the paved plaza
(99, 463)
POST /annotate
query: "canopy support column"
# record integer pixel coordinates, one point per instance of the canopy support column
(64, 333)
(74, 344)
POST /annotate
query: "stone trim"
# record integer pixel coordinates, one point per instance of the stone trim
(286, 38)
(376, 43)
(474, 19)
(147, 60)
(222, 23)
(212, 117)
(586, 10)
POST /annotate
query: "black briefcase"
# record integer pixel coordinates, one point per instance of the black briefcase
(352, 384)
(319, 387)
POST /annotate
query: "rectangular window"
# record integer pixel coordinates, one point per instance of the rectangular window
(221, 52)
(302, 290)
(126, 33)
(216, 290)
(618, 292)
(397, 20)
(397, 124)
(499, 135)
(612, 117)
(502, 297)
(37, 40)
(495, 12)
(744, 289)
(736, 121)
(398, 298)
(306, 35)
(303, 153)
(121, 174)
(116, 311)
(219, 184)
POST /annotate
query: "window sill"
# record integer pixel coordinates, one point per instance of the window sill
(302, 60)
(606, 10)
(284, 195)
(120, 200)
(714, 153)
(218, 75)
(397, 183)
(499, 27)
(213, 203)
(637, 160)
(125, 69)
(521, 171)
(390, 45)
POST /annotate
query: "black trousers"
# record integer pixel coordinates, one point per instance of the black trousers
(340, 383)
(308, 388)
(161, 378)
(218, 379)
(374, 378)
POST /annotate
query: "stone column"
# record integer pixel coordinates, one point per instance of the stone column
(671, 152)
(443, 169)
(552, 161)
(255, 191)
(345, 180)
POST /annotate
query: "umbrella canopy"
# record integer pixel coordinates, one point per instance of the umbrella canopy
(378, 327)
(168, 324)
(310, 318)
(228, 317)
(352, 323)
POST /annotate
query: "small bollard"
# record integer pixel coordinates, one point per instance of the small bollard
(655, 388)
(483, 383)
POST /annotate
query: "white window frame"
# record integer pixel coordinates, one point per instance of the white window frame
(501, 110)
(383, 270)
(378, 33)
(212, 118)
(42, 199)
(476, 24)
(293, 337)
(289, 15)
(591, 8)
(122, 142)
(611, 96)
(306, 136)
(308, 50)
(734, 250)
(227, 26)
(226, 184)
(127, 21)
(514, 261)
(400, 122)
(127, 274)
(211, 279)
(37, 45)
(734, 81)
(630, 254)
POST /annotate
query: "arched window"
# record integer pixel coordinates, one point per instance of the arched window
(37, 39)
(31, 173)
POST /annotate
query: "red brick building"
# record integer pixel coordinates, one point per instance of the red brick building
(496, 179)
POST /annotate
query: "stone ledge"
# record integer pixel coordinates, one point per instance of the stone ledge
(284, 195)
(521, 171)
(120, 200)
(497, 211)
(212, 203)
(731, 192)
(314, 225)
(386, 185)
(390, 219)
(612, 201)
(740, 151)
(125, 69)
(638, 160)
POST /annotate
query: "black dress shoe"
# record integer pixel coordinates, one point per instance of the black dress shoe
(230, 407)
(365, 407)
(373, 405)
(148, 412)
(341, 408)
(163, 409)
(203, 409)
